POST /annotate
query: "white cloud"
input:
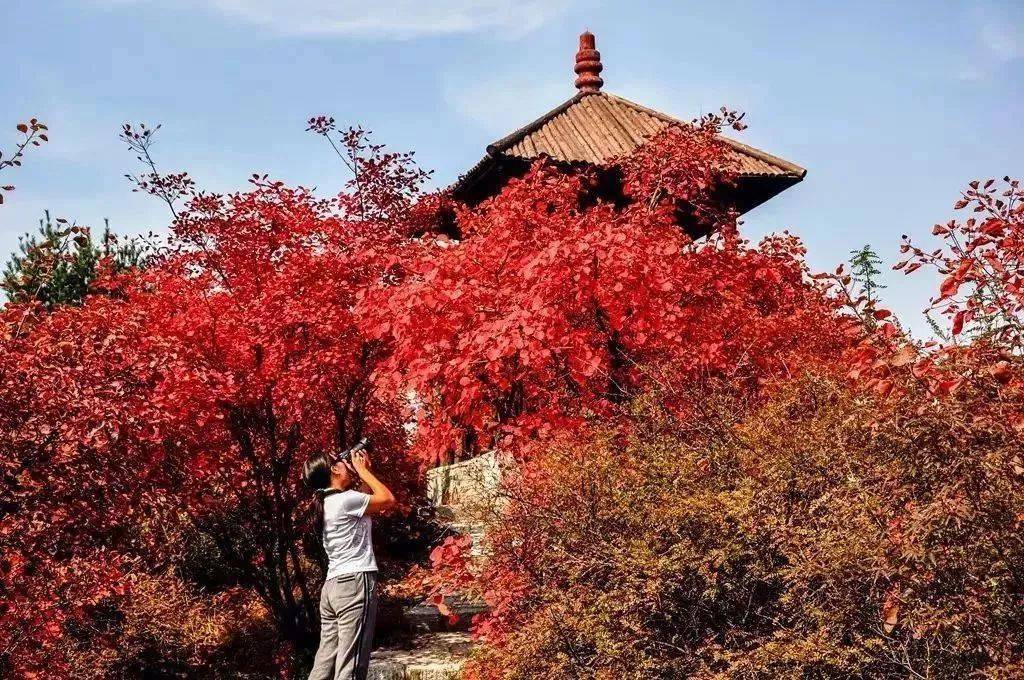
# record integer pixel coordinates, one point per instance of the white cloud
(1003, 37)
(383, 18)
(999, 40)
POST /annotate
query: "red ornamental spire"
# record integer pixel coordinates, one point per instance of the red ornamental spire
(588, 65)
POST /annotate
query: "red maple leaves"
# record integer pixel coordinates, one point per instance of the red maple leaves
(189, 392)
(34, 133)
(558, 303)
(981, 261)
(277, 323)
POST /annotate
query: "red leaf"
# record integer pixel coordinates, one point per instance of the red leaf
(958, 322)
(950, 285)
(883, 387)
(890, 613)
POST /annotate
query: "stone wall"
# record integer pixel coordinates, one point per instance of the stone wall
(465, 494)
(468, 491)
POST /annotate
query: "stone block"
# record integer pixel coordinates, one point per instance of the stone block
(467, 491)
(428, 657)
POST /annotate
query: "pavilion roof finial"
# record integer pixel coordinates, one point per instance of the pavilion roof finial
(588, 65)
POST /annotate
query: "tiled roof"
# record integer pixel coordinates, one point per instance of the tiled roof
(595, 127)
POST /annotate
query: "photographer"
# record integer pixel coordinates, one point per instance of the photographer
(348, 601)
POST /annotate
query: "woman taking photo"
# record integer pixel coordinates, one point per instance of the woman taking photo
(348, 601)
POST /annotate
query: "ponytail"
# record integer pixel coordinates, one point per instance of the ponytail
(316, 475)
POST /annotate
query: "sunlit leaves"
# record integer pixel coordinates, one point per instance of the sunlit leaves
(980, 260)
(559, 303)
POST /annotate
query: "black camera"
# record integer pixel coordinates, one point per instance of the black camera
(346, 456)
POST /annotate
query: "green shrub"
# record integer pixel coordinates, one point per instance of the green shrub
(60, 264)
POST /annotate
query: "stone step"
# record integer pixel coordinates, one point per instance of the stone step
(438, 656)
(397, 620)
(426, 618)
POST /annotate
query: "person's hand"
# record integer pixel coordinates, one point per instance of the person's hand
(361, 461)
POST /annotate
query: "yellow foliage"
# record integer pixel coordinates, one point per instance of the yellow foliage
(817, 536)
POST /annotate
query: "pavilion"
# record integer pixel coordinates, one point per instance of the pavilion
(594, 127)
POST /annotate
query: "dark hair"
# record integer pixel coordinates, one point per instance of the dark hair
(316, 473)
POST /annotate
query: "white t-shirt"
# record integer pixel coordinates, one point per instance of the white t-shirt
(348, 534)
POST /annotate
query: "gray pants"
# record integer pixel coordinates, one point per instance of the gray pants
(348, 613)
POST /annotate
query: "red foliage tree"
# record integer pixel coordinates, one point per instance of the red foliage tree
(982, 297)
(186, 400)
(982, 261)
(278, 323)
(867, 527)
(557, 303)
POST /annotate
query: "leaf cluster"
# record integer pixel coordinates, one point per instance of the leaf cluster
(818, 535)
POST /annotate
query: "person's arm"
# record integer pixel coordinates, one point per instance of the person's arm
(381, 498)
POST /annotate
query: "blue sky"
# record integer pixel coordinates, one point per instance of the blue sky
(892, 106)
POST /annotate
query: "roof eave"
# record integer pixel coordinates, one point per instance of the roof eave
(512, 138)
(787, 166)
(790, 173)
